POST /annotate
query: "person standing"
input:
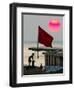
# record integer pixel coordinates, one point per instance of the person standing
(30, 59)
(33, 63)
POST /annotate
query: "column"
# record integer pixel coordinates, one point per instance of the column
(46, 59)
(58, 60)
(53, 60)
(61, 61)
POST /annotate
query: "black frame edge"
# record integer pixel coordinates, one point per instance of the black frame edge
(41, 84)
(12, 64)
(10, 33)
(70, 44)
(41, 5)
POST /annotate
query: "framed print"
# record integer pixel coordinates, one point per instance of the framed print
(40, 44)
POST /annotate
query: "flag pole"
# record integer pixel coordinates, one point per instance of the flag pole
(38, 44)
(37, 49)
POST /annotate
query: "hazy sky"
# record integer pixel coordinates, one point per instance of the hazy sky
(31, 23)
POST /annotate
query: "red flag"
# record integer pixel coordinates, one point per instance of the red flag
(44, 38)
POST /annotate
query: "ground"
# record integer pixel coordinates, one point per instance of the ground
(29, 70)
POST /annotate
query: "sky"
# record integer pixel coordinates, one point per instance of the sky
(31, 23)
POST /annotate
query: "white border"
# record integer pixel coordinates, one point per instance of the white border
(44, 77)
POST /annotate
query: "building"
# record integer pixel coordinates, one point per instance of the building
(53, 58)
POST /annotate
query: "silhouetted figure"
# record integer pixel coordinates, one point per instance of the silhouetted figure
(41, 67)
(33, 63)
(30, 59)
